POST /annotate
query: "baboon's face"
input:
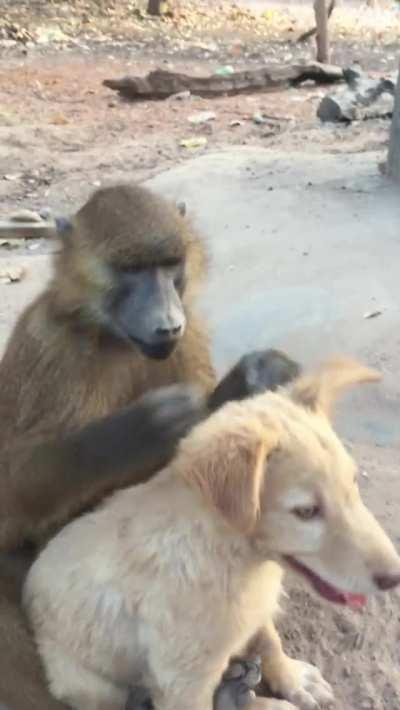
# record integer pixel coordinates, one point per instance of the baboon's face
(145, 307)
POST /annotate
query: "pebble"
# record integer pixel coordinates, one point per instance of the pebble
(25, 216)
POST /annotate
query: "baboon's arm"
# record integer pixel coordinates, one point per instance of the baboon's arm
(45, 481)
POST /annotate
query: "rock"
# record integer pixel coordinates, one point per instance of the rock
(11, 274)
(45, 35)
(12, 177)
(25, 216)
(46, 213)
(181, 96)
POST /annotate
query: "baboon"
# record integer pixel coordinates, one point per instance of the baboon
(77, 420)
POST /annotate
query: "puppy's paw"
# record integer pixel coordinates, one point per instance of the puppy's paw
(237, 688)
(300, 683)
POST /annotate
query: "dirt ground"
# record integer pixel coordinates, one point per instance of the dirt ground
(62, 133)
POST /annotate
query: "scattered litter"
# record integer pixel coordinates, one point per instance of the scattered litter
(195, 142)
(225, 71)
(235, 123)
(259, 119)
(364, 474)
(11, 274)
(202, 117)
(372, 314)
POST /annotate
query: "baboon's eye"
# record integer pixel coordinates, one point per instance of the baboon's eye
(307, 512)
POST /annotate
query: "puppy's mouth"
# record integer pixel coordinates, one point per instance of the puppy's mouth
(325, 589)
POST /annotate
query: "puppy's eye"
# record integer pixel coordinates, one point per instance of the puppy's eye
(307, 512)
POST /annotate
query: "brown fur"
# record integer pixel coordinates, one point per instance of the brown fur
(56, 376)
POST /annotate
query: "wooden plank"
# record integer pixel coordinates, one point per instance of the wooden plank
(26, 230)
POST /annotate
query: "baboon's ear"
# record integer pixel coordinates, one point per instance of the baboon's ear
(227, 467)
(181, 207)
(319, 390)
(64, 228)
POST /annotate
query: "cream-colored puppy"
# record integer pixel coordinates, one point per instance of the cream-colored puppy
(167, 581)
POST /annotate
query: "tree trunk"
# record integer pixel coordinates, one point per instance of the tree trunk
(394, 145)
(321, 20)
(154, 7)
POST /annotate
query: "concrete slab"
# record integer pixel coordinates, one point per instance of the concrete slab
(303, 248)
(14, 297)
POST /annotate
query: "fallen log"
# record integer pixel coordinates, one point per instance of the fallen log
(161, 84)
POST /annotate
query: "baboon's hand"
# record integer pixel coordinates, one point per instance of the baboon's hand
(267, 370)
(138, 440)
(255, 373)
(174, 410)
(237, 687)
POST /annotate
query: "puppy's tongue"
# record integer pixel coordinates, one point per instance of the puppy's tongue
(326, 590)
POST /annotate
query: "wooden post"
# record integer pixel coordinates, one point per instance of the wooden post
(154, 7)
(322, 37)
(394, 145)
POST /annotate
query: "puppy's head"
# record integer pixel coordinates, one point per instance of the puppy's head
(275, 470)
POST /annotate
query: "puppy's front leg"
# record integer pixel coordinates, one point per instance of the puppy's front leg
(300, 683)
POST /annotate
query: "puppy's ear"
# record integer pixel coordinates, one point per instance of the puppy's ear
(227, 467)
(319, 391)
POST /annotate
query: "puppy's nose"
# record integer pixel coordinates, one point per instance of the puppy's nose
(386, 581)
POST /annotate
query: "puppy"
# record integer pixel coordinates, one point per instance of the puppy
(167, 581)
